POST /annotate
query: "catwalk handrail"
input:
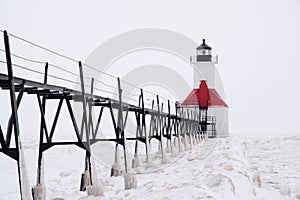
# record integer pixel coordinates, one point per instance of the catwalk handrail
(17, 80)
(74, 60)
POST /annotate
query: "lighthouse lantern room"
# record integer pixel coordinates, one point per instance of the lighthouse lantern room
(204, 52)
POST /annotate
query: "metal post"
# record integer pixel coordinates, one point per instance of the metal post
(38, 182)
(38, 192)
(129, 179)
(159, 128)
(169, 127)
(183, 128)
(188, 130)
(139, 134)
(85, 122)
(13, 105)
(2, 140)
(10, 121)
(121, 123)
(91, 126)
(144, 125)
(177, 126)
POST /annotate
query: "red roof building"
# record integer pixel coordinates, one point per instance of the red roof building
(204, 96)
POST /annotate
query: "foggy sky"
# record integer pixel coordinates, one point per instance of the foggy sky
(257, 43)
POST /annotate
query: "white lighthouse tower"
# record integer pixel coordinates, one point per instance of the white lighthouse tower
(205, 71)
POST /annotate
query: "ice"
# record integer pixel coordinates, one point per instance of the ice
(277, 160)
(224, 168)
(214, 169)
(26, 189)
(298, 192)
(285, 190)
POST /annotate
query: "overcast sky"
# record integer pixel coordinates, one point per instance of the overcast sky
(257, 43)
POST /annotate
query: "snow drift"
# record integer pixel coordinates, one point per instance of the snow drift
(223, 168)
(215, 169)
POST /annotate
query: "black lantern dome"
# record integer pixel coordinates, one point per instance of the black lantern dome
(204, 52)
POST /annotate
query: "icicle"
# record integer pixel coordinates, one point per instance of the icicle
(149, 156)
(179, 143)
(116, 168)
(173, 147)
(25, 186)
(164, 159)
(184, 142)
(135, 161)
(97, 188)
(130, 181)
(39, 191)
(85, 180)
(168, 147)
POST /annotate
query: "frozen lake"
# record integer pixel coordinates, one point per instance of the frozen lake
(277, 159)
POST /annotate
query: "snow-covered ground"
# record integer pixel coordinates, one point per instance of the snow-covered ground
(227, 168)
(278, 160)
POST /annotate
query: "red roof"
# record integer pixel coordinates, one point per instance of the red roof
(204, 96)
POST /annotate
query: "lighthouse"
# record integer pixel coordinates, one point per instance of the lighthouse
(208, 96)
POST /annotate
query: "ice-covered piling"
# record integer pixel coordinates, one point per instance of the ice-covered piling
(130, 180)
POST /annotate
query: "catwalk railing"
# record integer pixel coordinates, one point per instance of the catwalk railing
(183, 128)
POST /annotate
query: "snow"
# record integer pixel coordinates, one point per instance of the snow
(25, 187)
(223, 168)
(278, 159)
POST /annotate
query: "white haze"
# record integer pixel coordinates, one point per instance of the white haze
(257, 42)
